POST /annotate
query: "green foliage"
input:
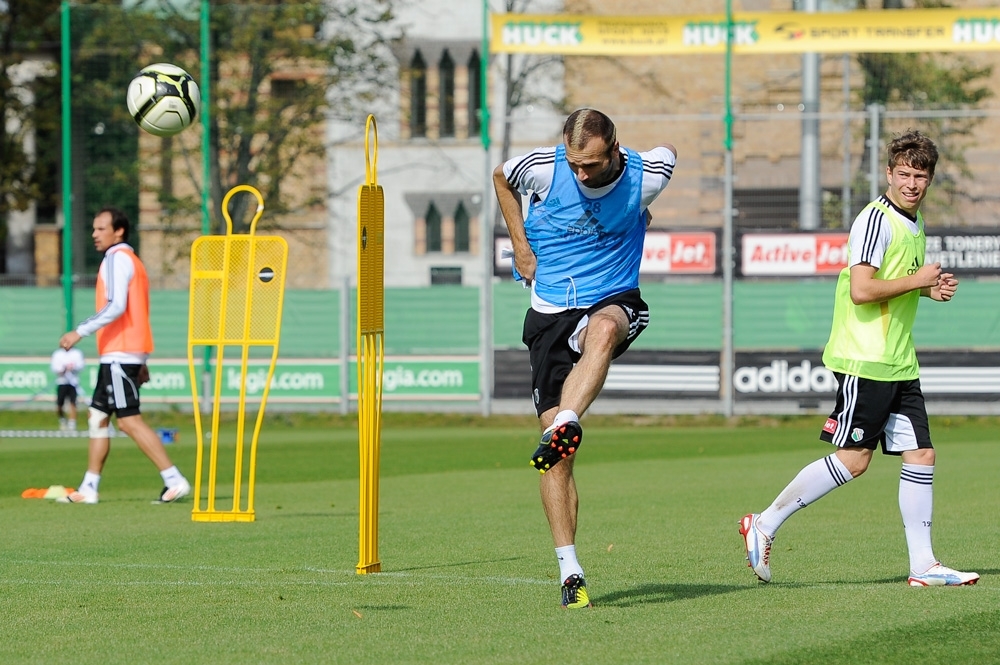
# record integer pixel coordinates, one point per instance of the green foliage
(26, 26)
(278, 72)
(931, 81)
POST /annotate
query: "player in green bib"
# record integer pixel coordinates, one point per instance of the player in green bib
(871, 352)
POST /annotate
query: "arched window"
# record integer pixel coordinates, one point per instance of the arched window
(461, 229)
(433, 221)
(418, 95)
(446, 94)
(475, 94)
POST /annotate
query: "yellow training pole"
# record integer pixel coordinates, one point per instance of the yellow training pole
(237, 293)
(371, 347)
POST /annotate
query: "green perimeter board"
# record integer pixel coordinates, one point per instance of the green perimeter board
(444, 320)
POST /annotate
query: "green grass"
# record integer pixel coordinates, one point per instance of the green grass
(469, 575)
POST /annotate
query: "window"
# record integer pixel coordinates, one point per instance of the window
(461, 229)
(475, 94)
(418, 96)
(286, 89)
(446, 275)
(433, 220)
(446, 94)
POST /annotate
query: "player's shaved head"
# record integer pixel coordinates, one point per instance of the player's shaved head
(584, 124)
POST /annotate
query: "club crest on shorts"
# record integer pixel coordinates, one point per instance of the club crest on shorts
(831, 426)
(857, 434)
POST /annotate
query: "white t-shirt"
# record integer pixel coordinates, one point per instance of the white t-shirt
(871, 233)
(533, 173)
(66, 365)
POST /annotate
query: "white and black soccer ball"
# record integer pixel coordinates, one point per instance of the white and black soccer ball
(163, 99)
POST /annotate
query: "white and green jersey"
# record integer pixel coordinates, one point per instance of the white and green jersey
(874, 340)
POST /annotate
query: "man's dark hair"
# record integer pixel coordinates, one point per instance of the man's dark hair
(913, 149)
(584, 124)
(119, 220)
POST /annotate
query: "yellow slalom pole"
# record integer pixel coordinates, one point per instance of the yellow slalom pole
(371, 348)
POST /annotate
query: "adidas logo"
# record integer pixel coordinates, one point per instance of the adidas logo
(587, 225)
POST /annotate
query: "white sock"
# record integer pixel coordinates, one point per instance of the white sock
(171, 476)
(568, 565)
(811, 484)
(565, 416)
(90, 482)
(916, 505)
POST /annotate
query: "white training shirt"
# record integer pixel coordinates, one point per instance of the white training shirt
(66, 365)
(871, 233)
(117, 271)
(533, 173)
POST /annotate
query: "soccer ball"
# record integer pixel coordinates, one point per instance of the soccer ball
(163, 99)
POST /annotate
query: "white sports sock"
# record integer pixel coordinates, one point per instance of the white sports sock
(90, 482)
(916, 505)
(568, 565)
(811, 484)
(171, 476)
(565, 416)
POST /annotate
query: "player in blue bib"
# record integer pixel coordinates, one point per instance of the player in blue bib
(579, 249)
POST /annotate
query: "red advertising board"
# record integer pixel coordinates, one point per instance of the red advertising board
(780, 254)
(678, 252)
(663, 253)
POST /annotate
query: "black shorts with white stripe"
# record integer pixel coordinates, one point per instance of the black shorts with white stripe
(547, 337)
(871, 413)
(117, 390)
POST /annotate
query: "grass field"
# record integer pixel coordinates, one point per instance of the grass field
(469, 575)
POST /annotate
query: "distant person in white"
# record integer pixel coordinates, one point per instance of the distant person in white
(67, 365)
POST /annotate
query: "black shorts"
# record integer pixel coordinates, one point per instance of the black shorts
(117, 391)
(871, 413)
(65, 393)
(547, 338)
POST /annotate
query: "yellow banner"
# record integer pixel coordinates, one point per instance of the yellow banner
(901, 30)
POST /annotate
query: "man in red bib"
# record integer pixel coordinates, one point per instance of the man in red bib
(124, 342)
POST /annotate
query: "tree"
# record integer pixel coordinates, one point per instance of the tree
(929, 81)
(524, 75)
(522, 86)
(26, 30)
(277, 70)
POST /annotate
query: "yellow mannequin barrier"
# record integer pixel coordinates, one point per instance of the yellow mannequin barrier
(237, 292)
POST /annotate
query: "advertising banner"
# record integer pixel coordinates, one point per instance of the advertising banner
(759, 376)
(772, 32)
(295, 381)
(663, 253)
(784, 254)
(680, 253)
(965, 252)
(959, 251)
(967, 375)
(642, 374)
